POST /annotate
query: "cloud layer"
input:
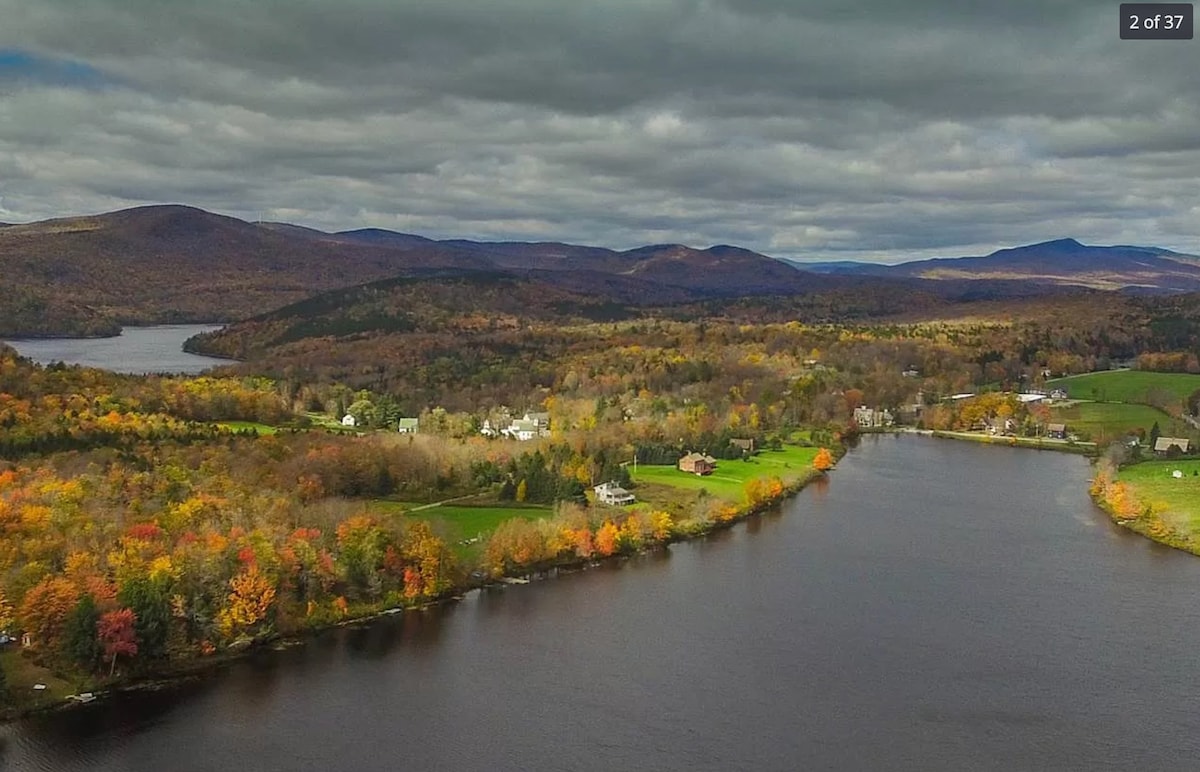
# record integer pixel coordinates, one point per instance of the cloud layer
(800, 128)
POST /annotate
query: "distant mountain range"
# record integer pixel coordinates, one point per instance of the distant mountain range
(1063, 261)
(156, 264)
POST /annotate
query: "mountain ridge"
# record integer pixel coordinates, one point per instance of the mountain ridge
(177, 263)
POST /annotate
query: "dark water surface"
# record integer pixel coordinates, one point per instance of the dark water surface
(156, 349)
(936, 605)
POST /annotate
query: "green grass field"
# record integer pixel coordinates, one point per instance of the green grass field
(728, 480)
(1151, 482)
(1108, 421)
(238, 426)
(1126, 385)
(465, 521)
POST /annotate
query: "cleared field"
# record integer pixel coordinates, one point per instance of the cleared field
(238, 426)
(1126, 385)
(1108, 421)
(728, 480)
(1151, 482)
(465, 521)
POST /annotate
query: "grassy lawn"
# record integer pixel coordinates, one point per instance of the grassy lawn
(465, 521)
(22, 674)
(1152, 482)
(1108, 421)
(1125, 385)
(729, 478)
(238, 426)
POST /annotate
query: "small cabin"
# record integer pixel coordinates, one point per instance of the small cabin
(696, 463)
(349, 420)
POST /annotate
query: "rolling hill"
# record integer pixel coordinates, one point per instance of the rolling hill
(156, 264)
(1063, 261)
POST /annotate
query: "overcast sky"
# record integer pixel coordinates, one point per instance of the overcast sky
(878, 129)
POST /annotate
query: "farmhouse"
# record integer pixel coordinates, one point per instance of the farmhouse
(408, 425)
(522, 429)
(1163, 445)
(746, 446)
(1056, 431)
(696, 463)
(611, 493)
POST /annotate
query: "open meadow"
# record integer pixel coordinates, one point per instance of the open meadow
(1105, 422)
(464, 521)
(729, 479)
(1126, 385)
(1152, 482)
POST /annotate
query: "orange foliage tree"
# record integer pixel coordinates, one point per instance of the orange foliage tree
(248, 603)
(823, 461)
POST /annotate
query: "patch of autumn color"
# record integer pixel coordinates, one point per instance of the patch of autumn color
(581, 540)
(248, 603)
(755, 491)
(631, 532)
(412, 583)
(115, 632)
(7, 619)
(341, 607)
(823, 461)
(45, 609)
(607, 536)
(662, 526)
(727, 514)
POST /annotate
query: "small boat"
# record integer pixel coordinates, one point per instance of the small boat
(83, 697)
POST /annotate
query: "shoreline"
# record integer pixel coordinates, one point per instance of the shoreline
(1027, 443)
(198, 667)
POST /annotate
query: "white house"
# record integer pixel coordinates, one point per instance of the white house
(522, 430)
(408, 425)
(348, 420)
(541, 421)
(867, 417)
(611, 493)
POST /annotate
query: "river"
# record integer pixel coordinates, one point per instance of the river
(153, 349)
(935, 605)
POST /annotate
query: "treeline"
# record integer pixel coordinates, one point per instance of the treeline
(111, 563)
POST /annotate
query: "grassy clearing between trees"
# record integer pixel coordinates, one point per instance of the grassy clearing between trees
(1125, 385)
(729, 479)
(465, 521)
(1151, 482)
(1105, 422)
(21, 674)
(238, 426)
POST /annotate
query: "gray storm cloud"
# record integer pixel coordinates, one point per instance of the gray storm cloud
(877, 130)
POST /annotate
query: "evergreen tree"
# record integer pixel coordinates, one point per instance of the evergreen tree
(1155, 433)
(81, 643)
(152, 607)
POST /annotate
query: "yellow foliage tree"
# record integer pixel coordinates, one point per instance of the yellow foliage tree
(248, 603)
(823, 461)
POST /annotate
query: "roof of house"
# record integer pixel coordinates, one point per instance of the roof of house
(408, 422)
(522, 425)
(1056, 427)
(692, 458)
(1163, 444)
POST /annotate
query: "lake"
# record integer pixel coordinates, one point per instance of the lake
(937, 605)
(154, 349)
